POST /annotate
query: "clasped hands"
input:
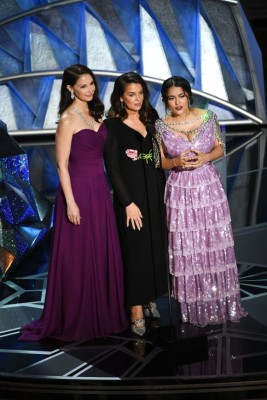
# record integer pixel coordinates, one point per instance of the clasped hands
(191, 159)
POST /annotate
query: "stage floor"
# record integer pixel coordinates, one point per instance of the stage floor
(172, 361)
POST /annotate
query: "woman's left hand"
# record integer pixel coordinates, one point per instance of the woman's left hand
(133, 216)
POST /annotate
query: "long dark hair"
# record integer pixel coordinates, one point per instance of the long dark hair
(177, 81)
(147, 113)
(70, 77)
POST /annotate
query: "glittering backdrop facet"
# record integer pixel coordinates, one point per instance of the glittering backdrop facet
(25, 215)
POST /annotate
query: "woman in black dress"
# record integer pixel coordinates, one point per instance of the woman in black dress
(131, 156)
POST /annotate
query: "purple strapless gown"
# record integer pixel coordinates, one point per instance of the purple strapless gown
(201, 248)
(84, 296)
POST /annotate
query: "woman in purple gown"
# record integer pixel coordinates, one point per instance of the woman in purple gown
(84, 296)
(201, 248)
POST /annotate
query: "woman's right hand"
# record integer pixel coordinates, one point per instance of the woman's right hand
(73, 214)
(183, 159)
(133, 215)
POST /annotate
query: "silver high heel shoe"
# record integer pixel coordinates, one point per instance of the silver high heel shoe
(151, 311)
(138, 326)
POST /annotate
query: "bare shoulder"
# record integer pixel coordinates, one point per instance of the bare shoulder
(66, 123)
(198, 112)
(67, 117)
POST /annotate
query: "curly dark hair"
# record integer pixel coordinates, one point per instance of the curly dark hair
(177, 81)
(147, 113)
(70, 76)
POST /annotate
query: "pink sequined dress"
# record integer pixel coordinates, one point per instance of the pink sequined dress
(201, 248)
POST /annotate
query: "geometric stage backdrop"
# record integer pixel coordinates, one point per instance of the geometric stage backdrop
(25, 215)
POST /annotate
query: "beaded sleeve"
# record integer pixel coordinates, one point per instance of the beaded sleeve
(156, 149)
(218, 132)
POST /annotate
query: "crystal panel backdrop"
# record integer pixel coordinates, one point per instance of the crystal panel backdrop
(209, 42)
(25, 215)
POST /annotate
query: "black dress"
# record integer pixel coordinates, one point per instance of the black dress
(134, 178)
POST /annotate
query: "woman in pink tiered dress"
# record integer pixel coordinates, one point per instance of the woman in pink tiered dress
(201, 248)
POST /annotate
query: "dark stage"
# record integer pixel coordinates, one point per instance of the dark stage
(217, 362)
(219, 54)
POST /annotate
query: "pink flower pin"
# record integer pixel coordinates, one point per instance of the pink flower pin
(133, 154)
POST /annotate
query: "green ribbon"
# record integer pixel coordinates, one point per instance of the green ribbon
(146, 156)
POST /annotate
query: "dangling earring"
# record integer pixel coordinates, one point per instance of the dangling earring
(121, 104)
(168, 111)
(72, 95)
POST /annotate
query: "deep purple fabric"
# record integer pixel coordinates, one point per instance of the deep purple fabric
(201, 248)
(84, 297)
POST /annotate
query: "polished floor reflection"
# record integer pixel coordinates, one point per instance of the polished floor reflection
(226, 361)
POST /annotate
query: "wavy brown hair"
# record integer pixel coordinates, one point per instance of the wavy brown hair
(147, 113)
(70, 77)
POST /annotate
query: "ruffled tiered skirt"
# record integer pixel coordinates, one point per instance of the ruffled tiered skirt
(201, 248)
